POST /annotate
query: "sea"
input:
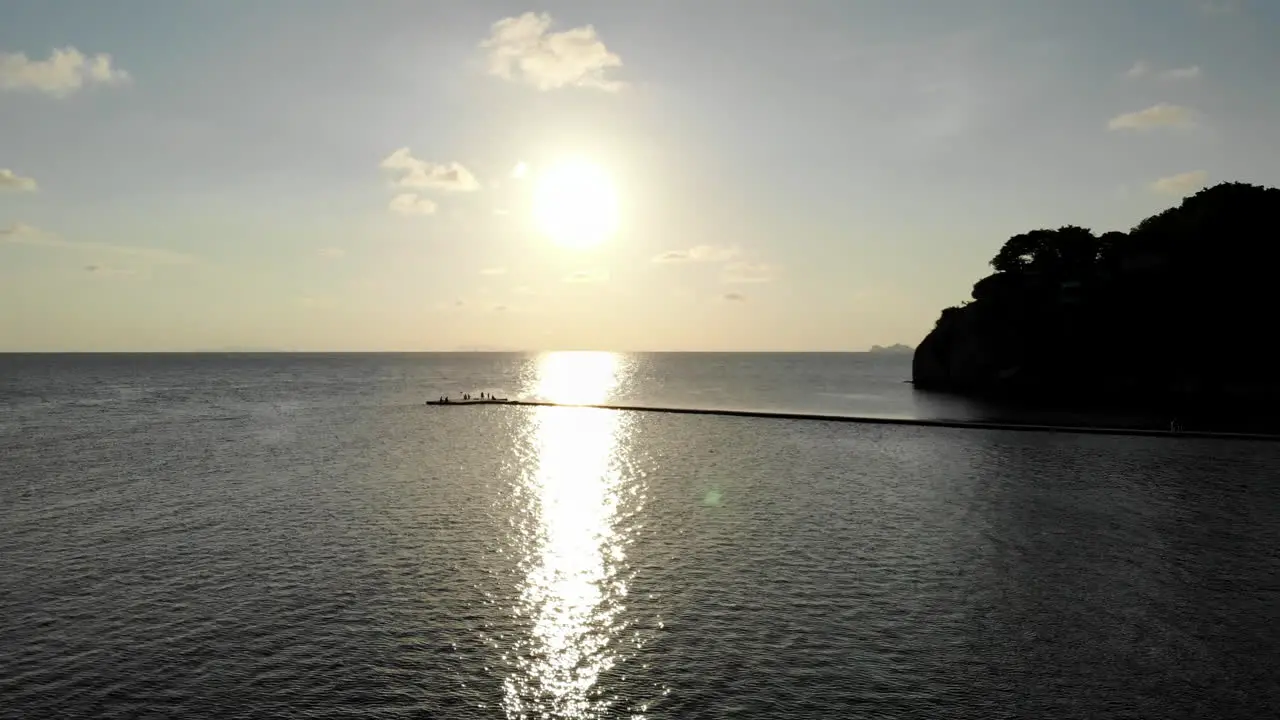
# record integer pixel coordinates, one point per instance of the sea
(299, 536)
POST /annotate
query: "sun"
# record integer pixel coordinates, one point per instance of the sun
(575, 204)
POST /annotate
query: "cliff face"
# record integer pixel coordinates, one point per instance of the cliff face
(1174, 309)
(974, 349)
(955, 355)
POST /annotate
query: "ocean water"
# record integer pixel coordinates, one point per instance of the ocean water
(240, 536)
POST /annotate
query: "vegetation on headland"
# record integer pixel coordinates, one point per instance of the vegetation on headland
(1177, 311)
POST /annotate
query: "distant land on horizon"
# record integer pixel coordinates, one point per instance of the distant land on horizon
(896, 349)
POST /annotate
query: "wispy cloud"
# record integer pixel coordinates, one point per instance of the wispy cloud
(414, 173)
(523, 49)
(9, 180)
(698, 253)
(745, 272)
(411, 204)
(494, 271)
(588, 276)
(1143, 69)
(332, 252)
(1139, 69)
(1162, 115)
(1181, 184)
(107, 271)
(32, 237)
(1191, 72)
(63, 73)
(733, 297)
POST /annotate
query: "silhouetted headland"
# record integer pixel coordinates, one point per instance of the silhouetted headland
(1174, 316)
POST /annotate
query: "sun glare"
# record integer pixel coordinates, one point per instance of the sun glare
(575, 204)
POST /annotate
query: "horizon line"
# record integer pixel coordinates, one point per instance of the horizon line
(456, 351)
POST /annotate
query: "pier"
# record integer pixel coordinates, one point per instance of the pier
(867, 420)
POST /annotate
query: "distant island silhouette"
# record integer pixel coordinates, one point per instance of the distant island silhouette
(897, 349)
(1173, 316)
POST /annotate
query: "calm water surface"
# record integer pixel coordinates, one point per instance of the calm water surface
(298, 536)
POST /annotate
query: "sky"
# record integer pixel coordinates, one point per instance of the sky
(740, 174)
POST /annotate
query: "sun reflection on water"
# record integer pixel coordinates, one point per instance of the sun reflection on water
(577, 378)
(574, 581)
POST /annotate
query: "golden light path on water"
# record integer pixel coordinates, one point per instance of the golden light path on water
(572, 589)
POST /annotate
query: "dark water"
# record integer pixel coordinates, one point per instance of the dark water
(252, 537)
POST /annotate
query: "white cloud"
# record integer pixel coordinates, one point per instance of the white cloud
(588, 276)
(66, 71)
(332, 252)
(1186, 73)
(1138, 70)
(698, 253)
(1142, 69)
(494, 271)
(415, 173)
(520, 171)
(411, 204)
(744, 272)
(33, 237)
(522, 49)
(1181, 184)
(9, 180)
(1162, 115)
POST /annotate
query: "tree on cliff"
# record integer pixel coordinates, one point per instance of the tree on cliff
(1067, 251)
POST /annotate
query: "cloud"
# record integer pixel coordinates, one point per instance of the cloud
(698, 253)
(106, 271)
(1181, 184)
(521, 49)
(744, 272)
(9, 180)
(1143, 69)
(1187, 73)
(1162, 115)
(1138, 70)
(499, 308)
(411, 204)
(415, 173)
(494, 271)
(520, 171)
(32, 237)
(733, 297)
(588, 276)
(66, 71)
(332, 252)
